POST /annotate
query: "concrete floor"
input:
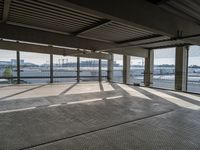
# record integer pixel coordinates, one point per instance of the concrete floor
(97, 116)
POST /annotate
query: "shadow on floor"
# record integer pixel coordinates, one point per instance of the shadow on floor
(69, 88)
(22, 92)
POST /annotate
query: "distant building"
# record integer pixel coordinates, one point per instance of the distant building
(14, 62)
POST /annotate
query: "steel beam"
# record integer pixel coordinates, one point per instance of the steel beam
(131, 51)
(50, 50)
(143, 15)
(158, 2)
(92, 27)
(6, 9)
(38, 36)
(139, 39)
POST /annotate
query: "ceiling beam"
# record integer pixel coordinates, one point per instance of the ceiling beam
(6, 45)
(158, 2)
(139, 13)
(92, 27)
(6, 9)
(44, 37)
(131, 51)
(139, 39)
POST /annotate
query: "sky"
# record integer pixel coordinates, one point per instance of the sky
(162, 56)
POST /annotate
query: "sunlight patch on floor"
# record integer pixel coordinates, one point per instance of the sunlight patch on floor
(191, 96)
(133, 92)
(172, 99)
(47, 90)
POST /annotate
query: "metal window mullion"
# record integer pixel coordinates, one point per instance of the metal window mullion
(18, 66)
(51, 68)
(100, 73)
(78, 69)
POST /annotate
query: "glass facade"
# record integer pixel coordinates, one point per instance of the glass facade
(193, 81)
(89, 69)
(136, 70)
(34, 67)
(117, 68)
(164, 68)
(8, 67)
(64, 68)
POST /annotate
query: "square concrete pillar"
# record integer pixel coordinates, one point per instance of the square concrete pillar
(110, 68)
(126, 69)
(148, 73)
(181, 68)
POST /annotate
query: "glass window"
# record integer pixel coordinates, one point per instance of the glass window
(34, 67)
(117, 68)
(89, 69)
(8, 67)
(137, 70)
(104, 69)
(64, 68)
(164, 68)
(193, 84)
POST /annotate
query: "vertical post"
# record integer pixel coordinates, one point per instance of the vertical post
(100, 75)
(51, 68)
(181, 68)
(148, 73)
(110, 68)
(78, 69)
(126, 69)
(18, 67)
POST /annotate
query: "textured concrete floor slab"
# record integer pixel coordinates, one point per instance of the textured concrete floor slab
(168, 131)
(110, 116)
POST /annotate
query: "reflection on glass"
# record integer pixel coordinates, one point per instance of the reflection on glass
(193, 84)
(164, 68)
(8, 67)
(136, 70)
(89, 69)
(64, 68)
(34, 67)
(117, 68)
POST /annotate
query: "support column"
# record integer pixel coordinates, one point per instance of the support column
(110, 68)
(181, 68)
(148, 73)
(18, 67)
(78, 69)
(126, 69)
(51, 68)
(100, 75)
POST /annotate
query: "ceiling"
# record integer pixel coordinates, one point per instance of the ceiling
(188, 9)
(54, 18)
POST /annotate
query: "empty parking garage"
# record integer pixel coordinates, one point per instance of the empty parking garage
(99, 75)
